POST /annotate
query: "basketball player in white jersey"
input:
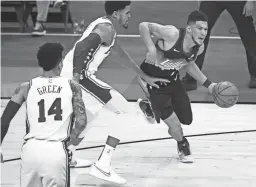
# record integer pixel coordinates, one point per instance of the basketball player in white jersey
(83, 61)
(52, 103)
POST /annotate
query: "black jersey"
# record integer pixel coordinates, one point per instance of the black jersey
(176, 59)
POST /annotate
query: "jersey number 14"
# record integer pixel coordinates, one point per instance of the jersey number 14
(55, 109)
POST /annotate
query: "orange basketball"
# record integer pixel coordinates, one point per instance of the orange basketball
(225, 94)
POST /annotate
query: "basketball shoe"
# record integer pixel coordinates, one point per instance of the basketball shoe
(184, 152)
(107, 174)
(145, 107)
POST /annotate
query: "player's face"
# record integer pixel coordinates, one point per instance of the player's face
(124, 16)
(199, 31)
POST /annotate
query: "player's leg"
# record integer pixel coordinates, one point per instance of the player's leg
(145, 104)
(42, 13)
(93, 106)
(182, 109)
(54, 170)
(102, 167)
(162, 104)
(246, 29)
(120, 108)
(98, 95)
(29, 166)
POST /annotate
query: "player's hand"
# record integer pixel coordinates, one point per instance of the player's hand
(211, 87)
(152, 81)
(248, 8)
(151, 57)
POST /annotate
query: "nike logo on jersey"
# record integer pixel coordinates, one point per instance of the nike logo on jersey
(176, 50)
(191, 57)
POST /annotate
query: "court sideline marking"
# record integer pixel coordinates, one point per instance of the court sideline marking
(119, 35)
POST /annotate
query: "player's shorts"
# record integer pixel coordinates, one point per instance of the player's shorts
(171, 98)
(95, 92)
(45, 164)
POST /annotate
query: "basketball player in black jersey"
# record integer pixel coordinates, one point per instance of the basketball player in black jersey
(169, 50)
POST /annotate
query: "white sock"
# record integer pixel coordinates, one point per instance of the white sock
(105, 158)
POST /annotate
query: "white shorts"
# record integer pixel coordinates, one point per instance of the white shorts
(96, 93)
(44, 164)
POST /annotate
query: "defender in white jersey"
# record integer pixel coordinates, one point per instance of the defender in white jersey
(52, 104)
(84, 60)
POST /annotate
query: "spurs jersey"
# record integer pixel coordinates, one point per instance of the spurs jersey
(94, 57)
(174, 59)
(49, 109)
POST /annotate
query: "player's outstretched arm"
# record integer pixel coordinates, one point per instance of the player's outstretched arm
(79, 112)
(128, 62)
(103, 34)
(13, 106)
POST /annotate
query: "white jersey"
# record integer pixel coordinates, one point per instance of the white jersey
(97, 57)
(49, 109)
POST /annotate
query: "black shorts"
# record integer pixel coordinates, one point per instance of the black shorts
(171, 98)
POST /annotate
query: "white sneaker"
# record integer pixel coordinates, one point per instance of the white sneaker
(185, 158)
(80, 163)
(184, 152)
(109, 175)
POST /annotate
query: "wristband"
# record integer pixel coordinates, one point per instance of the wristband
(207, 83)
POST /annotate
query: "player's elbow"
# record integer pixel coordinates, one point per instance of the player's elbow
(172, 32)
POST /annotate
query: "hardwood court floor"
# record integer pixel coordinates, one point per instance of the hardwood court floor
(220, 160)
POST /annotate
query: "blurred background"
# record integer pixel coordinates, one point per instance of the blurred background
(225, 57)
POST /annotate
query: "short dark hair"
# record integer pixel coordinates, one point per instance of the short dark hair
(196, 16)
(111, 6)
(49, 55)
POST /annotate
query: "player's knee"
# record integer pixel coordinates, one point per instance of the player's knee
(166, 115)
(186, 120)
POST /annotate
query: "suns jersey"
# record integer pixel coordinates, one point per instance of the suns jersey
(175, 57)
(94, 58)
(49, 109)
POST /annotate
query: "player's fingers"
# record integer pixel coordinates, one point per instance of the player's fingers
(162, 80)
(165, 80)
(155, 85)
(246, 13)
(147, 60)
(249, 13)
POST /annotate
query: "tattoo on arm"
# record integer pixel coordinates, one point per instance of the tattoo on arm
(20, 93)
(78, 107)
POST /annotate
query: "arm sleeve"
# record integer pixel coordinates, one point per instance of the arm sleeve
(8, 114)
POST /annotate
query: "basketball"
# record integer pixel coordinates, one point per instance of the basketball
(225, 94)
